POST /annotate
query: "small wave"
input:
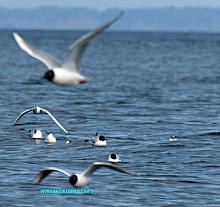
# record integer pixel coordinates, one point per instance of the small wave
(191, 181)
(210, 133)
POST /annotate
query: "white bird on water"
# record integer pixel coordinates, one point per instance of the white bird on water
(114, 157)
(173, 138)
(39, 110)
(82, 179)
(99, 141)
(36, 134)
(67, 73)
(50, 138)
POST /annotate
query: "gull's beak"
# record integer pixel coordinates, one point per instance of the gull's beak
(82, 81)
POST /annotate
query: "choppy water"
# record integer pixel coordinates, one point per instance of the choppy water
(144, 88)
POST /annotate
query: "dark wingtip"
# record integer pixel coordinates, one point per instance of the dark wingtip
(121, 13)
(11, 125)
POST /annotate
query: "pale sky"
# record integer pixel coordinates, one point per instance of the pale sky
(105, 4)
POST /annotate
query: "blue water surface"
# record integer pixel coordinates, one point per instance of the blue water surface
(143, 88)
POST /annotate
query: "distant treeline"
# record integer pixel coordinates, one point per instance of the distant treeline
(161, 19)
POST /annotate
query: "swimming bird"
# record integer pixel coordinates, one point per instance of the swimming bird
(99, 141)
(81, 179)
(36, 134)
(173, 138)
(69, 141)
(50, 138)
(67, 73)
(39, 110)
(114, 157)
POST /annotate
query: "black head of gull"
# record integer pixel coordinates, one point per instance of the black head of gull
(73, 179)
(37, 110)
(113, 156)
(49, 75)
(102, 138)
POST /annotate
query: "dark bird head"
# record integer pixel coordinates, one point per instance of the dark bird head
(49, 75)
(48, 132)
(73, 179)
(29, 133)
(102, 138)
(113, 156)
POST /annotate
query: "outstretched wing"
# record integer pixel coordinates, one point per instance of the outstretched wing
(20, 115)
(96, 165)
(59, 125)
(78, 48)
(44, 173)
(50, 61)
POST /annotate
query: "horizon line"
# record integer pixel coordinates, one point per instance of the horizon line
(110, 8)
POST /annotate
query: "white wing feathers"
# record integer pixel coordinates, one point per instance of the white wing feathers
(50, 61)
(54, 119)
(44, 173)
(42, 110)
(20, 115)
(96, 165)
(78, 48)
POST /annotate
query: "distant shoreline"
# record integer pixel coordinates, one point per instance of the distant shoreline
(169, 19)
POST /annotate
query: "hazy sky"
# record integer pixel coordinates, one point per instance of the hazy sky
(103, 4)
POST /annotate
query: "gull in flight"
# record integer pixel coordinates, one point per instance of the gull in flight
(39, 110)
(82, 179)
(68, 72)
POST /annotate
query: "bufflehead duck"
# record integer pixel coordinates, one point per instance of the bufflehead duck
(69, 141)
(36, 134)
(99, 141)
(50, 138)
(114, 157)
(173, 138)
